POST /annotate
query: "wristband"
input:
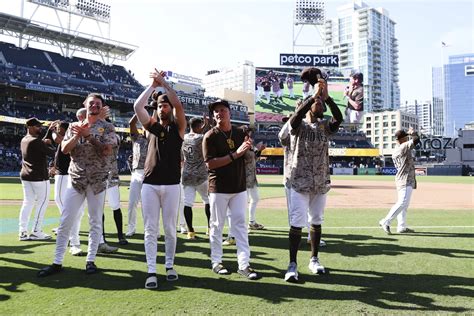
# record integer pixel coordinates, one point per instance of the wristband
(231, 157)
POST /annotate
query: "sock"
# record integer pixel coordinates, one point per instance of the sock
(207, 209)
(118, 222)
(295, 239)
(315, 233)
(188, 217)
(103, 227)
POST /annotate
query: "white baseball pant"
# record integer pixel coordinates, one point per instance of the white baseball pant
(154, 199)
(34, 192)
(113, 197)
(136, 182)
(60, 187)
(306, 207)
(236, 203)
(399, 210)
(190, 193)
(253, 199)
(73, 202)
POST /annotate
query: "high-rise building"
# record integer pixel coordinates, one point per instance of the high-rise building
(437, 114)
(459, 93)
(453, 95)
(364, 38)
(423, 111)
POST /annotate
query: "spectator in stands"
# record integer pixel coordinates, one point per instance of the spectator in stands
(355, 98)
(34, 179)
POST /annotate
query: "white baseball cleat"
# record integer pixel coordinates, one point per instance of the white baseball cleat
(315, 266)
(291, 274)
(39, 236)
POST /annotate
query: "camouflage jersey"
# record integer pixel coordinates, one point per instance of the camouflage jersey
(309, 171)
(250, 169)
(284, 136)
(114, 179)
(405, 166)
(194, 168)
(140, 148)
(89, 167)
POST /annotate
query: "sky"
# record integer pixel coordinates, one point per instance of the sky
(191, 37)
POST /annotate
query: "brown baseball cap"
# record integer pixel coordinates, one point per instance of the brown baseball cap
(33, 122)
(400, 134)
(285, 118)
(163, 98)
(218, 102)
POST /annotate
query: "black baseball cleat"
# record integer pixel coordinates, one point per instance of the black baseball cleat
(91, 268)
(49, 270)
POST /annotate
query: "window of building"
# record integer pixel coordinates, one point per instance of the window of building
(385, 124)
(385, 131)
(393, 146)
(385, 146)
(376, 132)
(368, 119)
(469, 70)
(394, 123)
(368, 133)
(376, 125)
(376, 118)
(368, 125)
(385, 117)
(385, 138)
(376, 139)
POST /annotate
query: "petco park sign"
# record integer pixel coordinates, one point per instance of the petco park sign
(309, 60)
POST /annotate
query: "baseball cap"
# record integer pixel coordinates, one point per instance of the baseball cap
(285, 118)
(218, 102)
(400, 134)
(33, 122)
(358, 75)
(163, 98)
(311, 74)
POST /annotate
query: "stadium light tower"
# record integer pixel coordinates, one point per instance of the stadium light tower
(308, 14)
(84, 10)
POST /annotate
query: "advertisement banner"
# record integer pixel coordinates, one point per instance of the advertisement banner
(342, 171)
(268, 170)
(309, 60)
(421, 171)
(389, 171)
(43, 88)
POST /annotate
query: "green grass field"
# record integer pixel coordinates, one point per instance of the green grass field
(430, 271)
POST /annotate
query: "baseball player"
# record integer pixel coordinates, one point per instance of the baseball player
(223, 148)
(251, 181)
(308, 175)
(194, 177)
(34, 180)
(140, 145)
(89, 143)
(355, 98)
(404, 179)
(61, 178)
(113, 194)
(161, 185)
